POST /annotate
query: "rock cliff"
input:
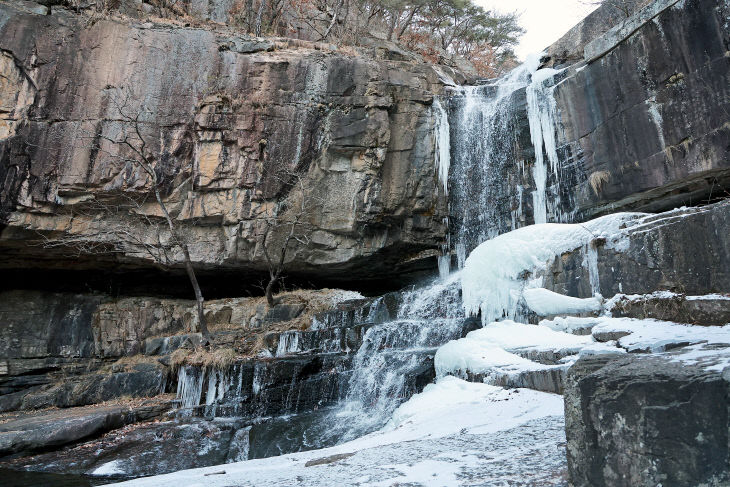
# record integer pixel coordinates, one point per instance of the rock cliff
(224, 115)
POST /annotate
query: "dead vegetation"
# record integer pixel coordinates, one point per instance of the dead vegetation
(216, 358)
(597, 179)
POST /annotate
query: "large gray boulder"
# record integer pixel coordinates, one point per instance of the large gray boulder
(646, 420)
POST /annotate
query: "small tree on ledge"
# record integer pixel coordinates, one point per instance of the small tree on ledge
(114, 233)
(286, 229)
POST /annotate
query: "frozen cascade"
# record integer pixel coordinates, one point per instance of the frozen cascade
(493, 277)
(442, 143)
(442, 155)
(190, 386)
(288, 343)
(483, 141)
(541, 113)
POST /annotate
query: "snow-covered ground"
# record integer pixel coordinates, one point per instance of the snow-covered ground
(454, 433)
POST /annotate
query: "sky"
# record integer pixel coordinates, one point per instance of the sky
(544, 20)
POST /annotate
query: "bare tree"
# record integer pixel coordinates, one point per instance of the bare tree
(113, 233)
(287, 229)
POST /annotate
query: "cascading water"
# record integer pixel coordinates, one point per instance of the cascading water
(476, 144)
(393, 355)
(488, 157)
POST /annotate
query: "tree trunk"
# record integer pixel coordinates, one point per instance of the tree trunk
(270, 291)
(202, 325)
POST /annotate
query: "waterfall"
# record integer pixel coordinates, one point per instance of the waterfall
(380, 352)
(487, 179)
(395, 360)
(485, 151)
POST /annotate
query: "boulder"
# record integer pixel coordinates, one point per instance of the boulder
(646, 420)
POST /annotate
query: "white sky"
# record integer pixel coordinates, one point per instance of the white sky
(545, 21)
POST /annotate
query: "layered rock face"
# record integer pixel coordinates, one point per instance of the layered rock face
(645, 120)
(226, 117)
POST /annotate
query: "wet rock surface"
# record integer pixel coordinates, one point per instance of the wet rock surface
(150, 448)
(26, 432)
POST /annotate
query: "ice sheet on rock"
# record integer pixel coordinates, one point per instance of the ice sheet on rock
(490, 350)
(656, 336)
(462, 357)
(572, 324)
(491, 279)
(480, 422)
(601, 348)
(517, 336)
(546, 303)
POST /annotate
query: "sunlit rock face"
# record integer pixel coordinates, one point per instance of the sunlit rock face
(224, 115)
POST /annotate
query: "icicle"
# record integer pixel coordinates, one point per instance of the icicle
(442, 149)
(542, 114)
(190, 386)
(288, 343)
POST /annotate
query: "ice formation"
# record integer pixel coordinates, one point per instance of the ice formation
(545, 303)
(493, 275)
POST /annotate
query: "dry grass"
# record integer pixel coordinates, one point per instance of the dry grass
(597, 179)
(219, 358)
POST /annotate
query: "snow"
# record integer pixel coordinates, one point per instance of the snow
(655, 336)
(491, 275)
(517, 336)
(571, 324)
(708, 297)
(450, 433)
(452, 404)
(110, 468)
(545, 303)
(601, 348)
(494, 350)
(464, 356)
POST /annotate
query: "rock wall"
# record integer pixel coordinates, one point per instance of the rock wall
(644, 122)
(664, 253)
(224, 116)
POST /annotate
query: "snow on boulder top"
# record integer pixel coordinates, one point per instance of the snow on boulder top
(491, 275)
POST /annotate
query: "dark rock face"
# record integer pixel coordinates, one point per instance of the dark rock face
(708, 311)
(150, 448)
(646, 420)
(25, 432)
(664, 253)
(224, 114)
(644, 126)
